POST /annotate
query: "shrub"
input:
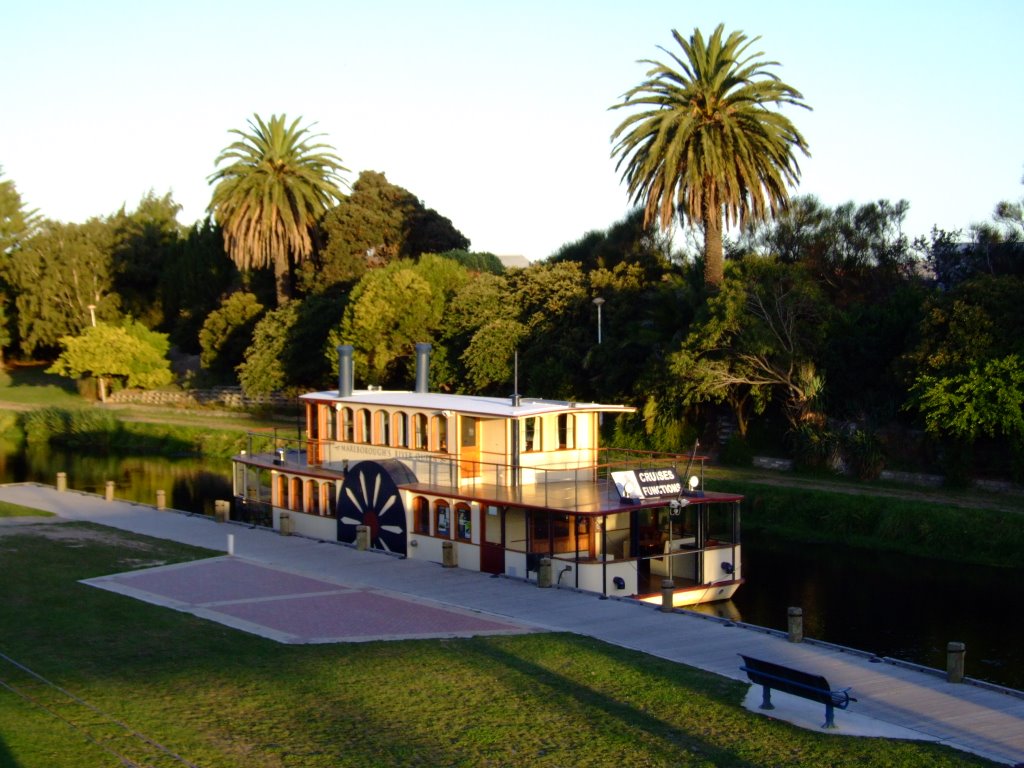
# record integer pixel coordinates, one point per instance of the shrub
(736, 452)
(864, 455)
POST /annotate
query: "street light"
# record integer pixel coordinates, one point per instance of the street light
(92, 315)
(598, 301)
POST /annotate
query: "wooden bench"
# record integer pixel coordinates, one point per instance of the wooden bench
(797, 683)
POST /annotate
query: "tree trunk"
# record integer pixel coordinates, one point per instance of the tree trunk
(282, 278)
(714, 270)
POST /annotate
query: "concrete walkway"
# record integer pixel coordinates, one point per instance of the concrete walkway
(892, 701)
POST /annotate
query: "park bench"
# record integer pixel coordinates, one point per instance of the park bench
(797, 683)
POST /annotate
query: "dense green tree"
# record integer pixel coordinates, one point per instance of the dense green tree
(227, 333)
(706, 143)
(475, 261)
(758, 340)
(629, 241)
(15, 224)
(55, 275)
(268, 199)
(131, 354)
(145, 243)
(375, 225)
(193, 280)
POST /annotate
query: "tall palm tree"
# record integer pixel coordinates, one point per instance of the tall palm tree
(267, 201)
(707, 144)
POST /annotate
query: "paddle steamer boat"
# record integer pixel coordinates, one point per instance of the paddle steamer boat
(511, 486)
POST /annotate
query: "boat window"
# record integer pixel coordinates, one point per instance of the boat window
(440, 430)
(330, 502)
(442, 519)
(332, 423)
(401, 421)
(421, 515)
(282, 491)
(363, 426)
(531, 434)
(295, 497)
(313, 419)
(464, 517)
(383, 431)
(420, 436)
(468, 430)
(312, 497)
(566, 431)
(347, 425)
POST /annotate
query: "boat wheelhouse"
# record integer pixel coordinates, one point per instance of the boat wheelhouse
(511, 486)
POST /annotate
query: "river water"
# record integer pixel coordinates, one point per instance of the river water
(891, 605)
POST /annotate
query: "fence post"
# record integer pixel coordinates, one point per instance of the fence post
(955, 653)
(796, 625)
(668, 587)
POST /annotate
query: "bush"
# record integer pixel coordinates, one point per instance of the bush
(815, 449)
(736, 452)
(70, 427)
(864, 454)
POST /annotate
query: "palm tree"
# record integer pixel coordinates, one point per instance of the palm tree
(270, 197)
(707, 143)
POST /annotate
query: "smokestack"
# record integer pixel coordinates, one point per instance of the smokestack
(422, 368)
(345, 370)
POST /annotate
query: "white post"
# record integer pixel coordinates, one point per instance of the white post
(231, 544)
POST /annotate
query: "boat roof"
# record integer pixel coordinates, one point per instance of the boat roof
(497, 407)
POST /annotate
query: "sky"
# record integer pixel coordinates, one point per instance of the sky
(496, 114)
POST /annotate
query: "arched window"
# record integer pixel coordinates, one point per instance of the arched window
(332, 423)
(312, 497)
(329, 504)
(383, 428)
(420, 434)
(347, 425)
(532, 434)
(421, 515)
(401, 422)
(281, 492)
(442, 519)
(295, 497)
(363, 432)
(464, 522)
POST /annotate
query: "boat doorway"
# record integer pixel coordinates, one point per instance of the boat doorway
(492, 539)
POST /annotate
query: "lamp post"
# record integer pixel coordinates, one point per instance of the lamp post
(92, 314)
(598, 301)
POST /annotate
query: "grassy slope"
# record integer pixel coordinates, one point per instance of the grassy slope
(223, 698)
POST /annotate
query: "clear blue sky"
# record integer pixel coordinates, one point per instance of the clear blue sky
(495, 114)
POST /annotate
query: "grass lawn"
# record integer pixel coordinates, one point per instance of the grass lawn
(221, 698)
(7, 509)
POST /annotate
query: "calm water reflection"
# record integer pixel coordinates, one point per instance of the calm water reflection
(891, 605)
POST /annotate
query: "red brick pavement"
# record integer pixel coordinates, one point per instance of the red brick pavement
(297, 609)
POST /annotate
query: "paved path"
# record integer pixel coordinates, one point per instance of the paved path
(896, 701)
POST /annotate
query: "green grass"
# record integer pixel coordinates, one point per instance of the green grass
(32, 386)
(223, 698)
(7, 509)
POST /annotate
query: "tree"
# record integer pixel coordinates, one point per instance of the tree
(55, 275)
(706, 144)
(132, 354)
(375, 225)
(268, 199)
(227, 333)
(759, 339)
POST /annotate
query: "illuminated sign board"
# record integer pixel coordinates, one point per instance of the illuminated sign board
(639, 484)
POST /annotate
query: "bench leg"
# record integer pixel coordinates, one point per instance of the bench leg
(766, 698)
(829, 717)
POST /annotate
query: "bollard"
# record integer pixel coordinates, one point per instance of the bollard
(955, 653)
(796, 625)
(544, 572)
(221, 510)
(448, 554)
(231, 544)
(285, 524)
(362, 537)
(62, 481)
(668, 588)
(109, 494)
(161, 499)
